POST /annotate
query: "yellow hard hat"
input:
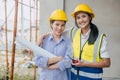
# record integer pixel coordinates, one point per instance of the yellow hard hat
(83, 8)
(58, 15)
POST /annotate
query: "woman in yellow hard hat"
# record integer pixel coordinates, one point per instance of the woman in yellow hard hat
(55, 68)
(90, 46)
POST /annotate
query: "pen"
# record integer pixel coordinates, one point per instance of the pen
(73, 60)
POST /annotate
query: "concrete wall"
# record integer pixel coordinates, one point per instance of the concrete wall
(106, 18)
(46, 8)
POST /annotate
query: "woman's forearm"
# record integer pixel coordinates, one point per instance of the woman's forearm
(54, 60)
(104, 63)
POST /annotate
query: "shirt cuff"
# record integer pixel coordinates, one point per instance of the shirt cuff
(61, 66)
(42, 62)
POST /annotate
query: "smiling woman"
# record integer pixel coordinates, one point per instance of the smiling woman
(90, 46)
(57, 28)
(55, 68)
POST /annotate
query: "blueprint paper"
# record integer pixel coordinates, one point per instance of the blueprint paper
(36, 49)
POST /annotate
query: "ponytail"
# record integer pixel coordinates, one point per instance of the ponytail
(93, 34)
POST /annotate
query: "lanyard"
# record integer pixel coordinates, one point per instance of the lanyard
(81, 49)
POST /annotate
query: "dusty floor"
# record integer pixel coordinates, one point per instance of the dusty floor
(21, 69)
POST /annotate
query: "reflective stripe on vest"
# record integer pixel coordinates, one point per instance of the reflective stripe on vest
(89, 75)
(76, 43)
(97, 47)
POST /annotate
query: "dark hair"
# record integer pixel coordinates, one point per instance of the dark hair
(52, 21)
(93, 34)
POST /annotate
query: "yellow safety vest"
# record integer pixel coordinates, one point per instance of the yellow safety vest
(87, 53)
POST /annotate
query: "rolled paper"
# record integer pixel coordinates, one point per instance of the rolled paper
(33, 47)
